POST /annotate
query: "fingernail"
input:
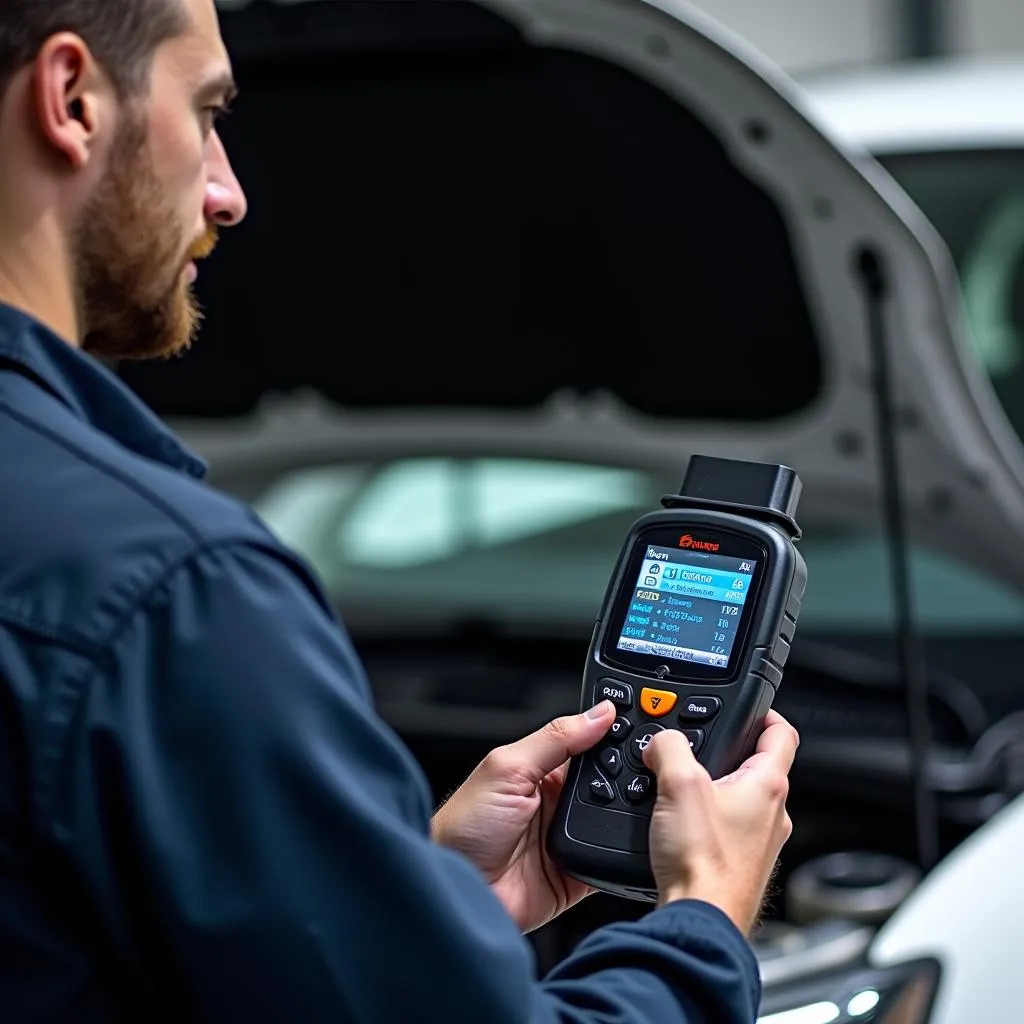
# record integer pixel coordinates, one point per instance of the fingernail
(600, 710)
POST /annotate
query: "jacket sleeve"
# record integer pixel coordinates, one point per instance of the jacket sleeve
(255, 840)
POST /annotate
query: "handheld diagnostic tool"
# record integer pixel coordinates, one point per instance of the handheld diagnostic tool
(693, 635)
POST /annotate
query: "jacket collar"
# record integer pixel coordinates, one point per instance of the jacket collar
(92, 393)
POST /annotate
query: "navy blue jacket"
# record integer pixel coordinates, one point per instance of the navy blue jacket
(201, 816)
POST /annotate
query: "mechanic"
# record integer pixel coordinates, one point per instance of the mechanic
(201, 817)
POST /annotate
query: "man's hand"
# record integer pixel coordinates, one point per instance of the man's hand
(719, 841)
(498, 818)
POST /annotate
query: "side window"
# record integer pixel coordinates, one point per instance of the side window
(516, 498)
(513, 535)
(407, 514)
(848, 590)
(368, 525)
(975, 199)
(303, 505)
(991, 273)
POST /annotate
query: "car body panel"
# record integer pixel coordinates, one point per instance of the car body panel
(928, 106)
(969, 915)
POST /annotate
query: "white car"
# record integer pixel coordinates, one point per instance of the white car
(951, 132)
(535, 253)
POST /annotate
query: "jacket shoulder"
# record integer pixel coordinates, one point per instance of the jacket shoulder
(89, 526)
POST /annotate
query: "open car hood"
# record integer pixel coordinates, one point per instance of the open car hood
(595, 229)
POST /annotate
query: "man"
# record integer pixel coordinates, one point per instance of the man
(201, 818)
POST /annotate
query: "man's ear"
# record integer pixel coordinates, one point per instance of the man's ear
(67, 86)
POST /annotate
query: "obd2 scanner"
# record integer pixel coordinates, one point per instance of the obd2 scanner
(693, 634)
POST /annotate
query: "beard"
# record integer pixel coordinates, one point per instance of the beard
(129, 256)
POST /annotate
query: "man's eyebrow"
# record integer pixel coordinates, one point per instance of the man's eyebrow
(222, 87)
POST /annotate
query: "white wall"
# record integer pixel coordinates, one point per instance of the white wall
(803, 34)
(989, 26)
(809, 33)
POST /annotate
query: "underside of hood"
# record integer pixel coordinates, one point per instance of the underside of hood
(597, 225)
(445, 213)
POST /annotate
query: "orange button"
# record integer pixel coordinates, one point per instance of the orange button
(657, 702)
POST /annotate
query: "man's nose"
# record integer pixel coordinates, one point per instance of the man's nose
(225, 203)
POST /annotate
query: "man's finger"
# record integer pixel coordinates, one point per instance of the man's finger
(779, 741)
(776, 749)
(541, 752)
(556, 779)
(670, 751)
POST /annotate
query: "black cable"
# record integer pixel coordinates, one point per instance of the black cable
(911, 650)
(856, 668)
(925, 28)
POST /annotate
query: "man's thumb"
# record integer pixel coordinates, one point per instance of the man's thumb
(552, 745)
(671, 748)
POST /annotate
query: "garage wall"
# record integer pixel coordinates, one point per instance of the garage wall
(803, 34)
(989, 26)
(806, 34)
(800, 34)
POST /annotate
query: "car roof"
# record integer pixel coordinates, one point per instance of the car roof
(928, 105)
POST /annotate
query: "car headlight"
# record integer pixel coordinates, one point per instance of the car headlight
(903, 994)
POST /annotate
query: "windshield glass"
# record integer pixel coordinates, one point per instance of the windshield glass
(976, 202)
(533, 542)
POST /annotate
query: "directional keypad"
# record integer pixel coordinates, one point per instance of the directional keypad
(638, 742)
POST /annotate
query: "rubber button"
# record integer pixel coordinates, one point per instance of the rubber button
(619, 693)
(600, 789)
(699, 709)
(657, 702)
(610, 760)
(619, 730)
(637, 789)
(642, 735)
(696, 738)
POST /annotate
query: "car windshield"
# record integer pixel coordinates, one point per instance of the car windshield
(975, 200)
(533, 541)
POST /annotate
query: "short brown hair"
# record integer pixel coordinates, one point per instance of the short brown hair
(122, 34)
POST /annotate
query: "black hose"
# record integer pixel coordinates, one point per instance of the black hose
(910, 646)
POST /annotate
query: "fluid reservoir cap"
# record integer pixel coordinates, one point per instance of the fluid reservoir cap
(859, 886)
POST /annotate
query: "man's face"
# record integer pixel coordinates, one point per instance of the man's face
(166, 189)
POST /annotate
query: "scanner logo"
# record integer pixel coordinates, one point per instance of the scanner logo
(689, 541)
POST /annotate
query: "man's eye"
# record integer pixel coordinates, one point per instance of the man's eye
(213, 114)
